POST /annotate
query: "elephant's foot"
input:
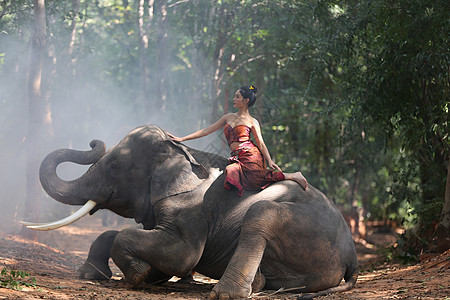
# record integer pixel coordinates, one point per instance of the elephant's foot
(93, 270)
(259, 282)
(229, 290)
(188, 278)
(136, 272)
(157, 277)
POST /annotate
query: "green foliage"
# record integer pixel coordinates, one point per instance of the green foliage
(16, 279)
(402, 252)
(352, 93)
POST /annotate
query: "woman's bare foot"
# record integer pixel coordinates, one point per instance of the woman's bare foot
(297, 177)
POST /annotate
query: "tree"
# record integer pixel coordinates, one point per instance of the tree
(143, 30)
(36, 116)
(395, 73)
(352, 93)
(443, 231)
(162, 48)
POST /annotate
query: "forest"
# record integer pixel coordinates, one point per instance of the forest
(355, 94)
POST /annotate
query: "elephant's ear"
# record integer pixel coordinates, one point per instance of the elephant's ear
(179, 173)
(198, 169)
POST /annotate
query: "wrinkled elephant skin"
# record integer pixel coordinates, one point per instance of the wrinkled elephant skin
(282, 236)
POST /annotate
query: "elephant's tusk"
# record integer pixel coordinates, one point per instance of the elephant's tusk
(33, 224)
(84, 210)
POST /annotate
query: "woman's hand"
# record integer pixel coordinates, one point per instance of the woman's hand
(273, 165)
(175, 138)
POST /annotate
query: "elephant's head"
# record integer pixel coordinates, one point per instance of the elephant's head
(145, 167)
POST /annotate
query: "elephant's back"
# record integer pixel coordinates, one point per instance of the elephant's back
(313, 209)
(225, 209)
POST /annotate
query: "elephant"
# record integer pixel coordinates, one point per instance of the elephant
(280, 237)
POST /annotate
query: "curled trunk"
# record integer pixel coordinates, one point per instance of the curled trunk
(75, 192)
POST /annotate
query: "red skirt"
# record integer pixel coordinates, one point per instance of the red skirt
(246, 170)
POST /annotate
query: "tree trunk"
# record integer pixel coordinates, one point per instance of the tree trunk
(143, 52)
(163, 49)
(12, 211)
(357, 225)
(259, 82)
(215, 86)
(218, 59)
(73, 27)
(35, 113)
(69, 69)
(443, 231)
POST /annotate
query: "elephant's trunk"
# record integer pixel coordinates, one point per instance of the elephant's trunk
(75, 192)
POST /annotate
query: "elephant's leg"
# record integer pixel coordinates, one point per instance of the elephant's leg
(189, 277)
(157, 277)
(136, 251)
(236, 282)
(96, 265)
(259, 230)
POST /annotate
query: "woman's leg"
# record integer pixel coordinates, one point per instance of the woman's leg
(297, 177)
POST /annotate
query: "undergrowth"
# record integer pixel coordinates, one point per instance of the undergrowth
(16, 279)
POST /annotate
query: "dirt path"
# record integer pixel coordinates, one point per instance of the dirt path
(54, 260)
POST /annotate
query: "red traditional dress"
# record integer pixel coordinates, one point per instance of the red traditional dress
(246, 168)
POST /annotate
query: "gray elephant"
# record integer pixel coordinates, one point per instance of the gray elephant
(282, 236)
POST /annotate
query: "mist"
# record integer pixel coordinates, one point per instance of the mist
(87, 101)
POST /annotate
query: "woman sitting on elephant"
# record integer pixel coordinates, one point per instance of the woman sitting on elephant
(246, 167)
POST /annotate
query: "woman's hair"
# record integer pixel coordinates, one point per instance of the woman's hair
(250, 93)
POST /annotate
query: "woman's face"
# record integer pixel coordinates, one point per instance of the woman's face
(238, 100)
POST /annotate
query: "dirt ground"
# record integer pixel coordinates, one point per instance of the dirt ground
(53, 262)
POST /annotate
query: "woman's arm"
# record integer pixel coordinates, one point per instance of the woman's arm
(202, 132)
(262, 146)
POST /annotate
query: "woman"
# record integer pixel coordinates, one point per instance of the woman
(246, 168)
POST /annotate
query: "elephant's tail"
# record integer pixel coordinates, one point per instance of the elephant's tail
(351, 276)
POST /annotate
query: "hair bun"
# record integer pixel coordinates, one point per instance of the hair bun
(253, 88)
